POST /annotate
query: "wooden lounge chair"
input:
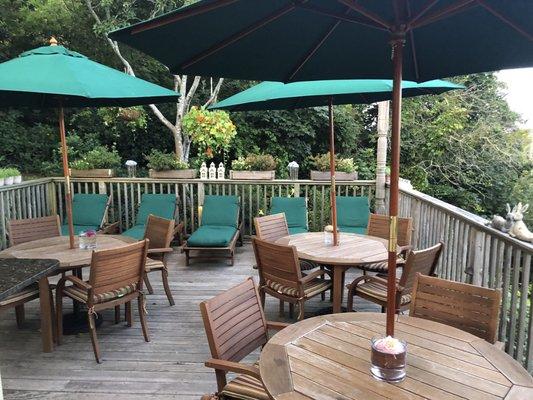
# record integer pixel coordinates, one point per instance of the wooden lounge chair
(159, 232)
(378, 226)
(159, 205)
(89, 212)
(470, 308)
(235, 326)
(116, 278)
(281, 277)
(374, 288)
(22, 231)
(218, 232)
(295, 210)
(353, 214)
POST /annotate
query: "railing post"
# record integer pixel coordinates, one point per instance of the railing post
(476, 257)
(52, 198)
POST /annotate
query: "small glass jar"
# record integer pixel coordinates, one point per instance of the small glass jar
(87, 240)
(388, 357)
(328, 235)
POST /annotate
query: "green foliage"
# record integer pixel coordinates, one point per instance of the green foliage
(211, 131)
(254, 162)
(9, 172)
(99, 157)
(321, 162)
(160, 161)
(523, 192)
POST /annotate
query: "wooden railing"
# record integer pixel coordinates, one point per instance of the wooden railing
(478, 254)
(473, 252)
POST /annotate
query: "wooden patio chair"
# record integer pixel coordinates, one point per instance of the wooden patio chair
(295, 210)
(374, 288)
(470, 308)
(378, 226)
(159, 232)
(235, 326)
(22, 231)
(116, 278)
(281, 277)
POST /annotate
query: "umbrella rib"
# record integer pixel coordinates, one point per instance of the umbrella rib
(178, 16)
(363, 11)
(341, 17)
(505, 19)
(423, 11)
(239, 35)
(446, 12)
(412, 42)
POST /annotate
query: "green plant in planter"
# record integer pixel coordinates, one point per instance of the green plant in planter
(345, 165)
(211, 131)
(99, 157)
(254, 162)
(240, 164)
(159, 161)
(11, 172)
(321, 163)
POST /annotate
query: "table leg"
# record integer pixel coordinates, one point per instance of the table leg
(337, 289)
(46, 316)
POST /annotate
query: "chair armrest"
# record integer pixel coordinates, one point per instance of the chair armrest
(160, 250)
(110, 228)
(231, 366)
(315, 274)
(75, 281)
(369, 278)
(277, 326)
(404, 249)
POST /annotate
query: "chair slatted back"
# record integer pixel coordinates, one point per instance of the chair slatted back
(470, 308)
(419, 262)
(277, 263)
(271, 227)
(378, 226)
(118, 268)
(26, 230)
(234, 322)
(159, 231)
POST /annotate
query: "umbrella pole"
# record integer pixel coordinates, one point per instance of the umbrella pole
(333, 190)
(397, 49)
(66, 173)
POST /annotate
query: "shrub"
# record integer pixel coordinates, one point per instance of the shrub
(321, 163)
(159, 161)
(254, 162)
(99, 157)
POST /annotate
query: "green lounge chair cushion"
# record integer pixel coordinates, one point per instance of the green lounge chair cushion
(160, 205)
(79, 228)
(212, 236)
(88, 209)
(136, 232)
(353, 212)
(295, 209)
(221, 211)
(352, 229)
(297, 229)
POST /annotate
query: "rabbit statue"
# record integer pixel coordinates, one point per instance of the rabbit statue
(519, 229)
(503, 224)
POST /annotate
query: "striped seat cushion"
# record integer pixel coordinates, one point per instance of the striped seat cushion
(312, 288)
(82, 295)
(379, 292)
(244, 387)
(152, 265)
(381, 266)
(27, 294)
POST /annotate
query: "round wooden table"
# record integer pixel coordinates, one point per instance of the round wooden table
(352, 250)
(328, 357)
(58, 248)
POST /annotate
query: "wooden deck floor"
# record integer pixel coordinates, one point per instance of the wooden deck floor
(169, 367)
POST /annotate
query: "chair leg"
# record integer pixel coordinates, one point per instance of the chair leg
(383, 309)
(117, 314)
(94, 339)
(262, 297)
(20, 315)
(59, 314)
(142, 317)
(53, 316)
(129, 314)
(281, 308)
(148, 284)
(166, 286)
(291, 310)
(187, 258)
(349, 304)
(301, 310)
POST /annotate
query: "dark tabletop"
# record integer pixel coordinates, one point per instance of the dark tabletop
(18, 273)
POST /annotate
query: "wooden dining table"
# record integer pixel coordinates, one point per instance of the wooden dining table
(353, 250)
(328, 357)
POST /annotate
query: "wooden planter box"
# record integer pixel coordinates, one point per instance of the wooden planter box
(92, 173)
(339, 176)
(252, 175)
(173, 174)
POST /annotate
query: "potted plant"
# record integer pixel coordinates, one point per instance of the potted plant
(99, 162)
(345, 169)
(253, 167)
(167, 166)
(15, 173)
(2, 176)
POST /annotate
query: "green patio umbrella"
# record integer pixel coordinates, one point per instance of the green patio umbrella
(289, 96)
(53, 76)
(302, 40)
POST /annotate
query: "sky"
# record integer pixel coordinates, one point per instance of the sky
(520, 92)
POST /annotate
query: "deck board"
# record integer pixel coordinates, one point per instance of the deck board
(169, 367)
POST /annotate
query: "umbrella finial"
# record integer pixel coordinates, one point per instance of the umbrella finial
(53, 41)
